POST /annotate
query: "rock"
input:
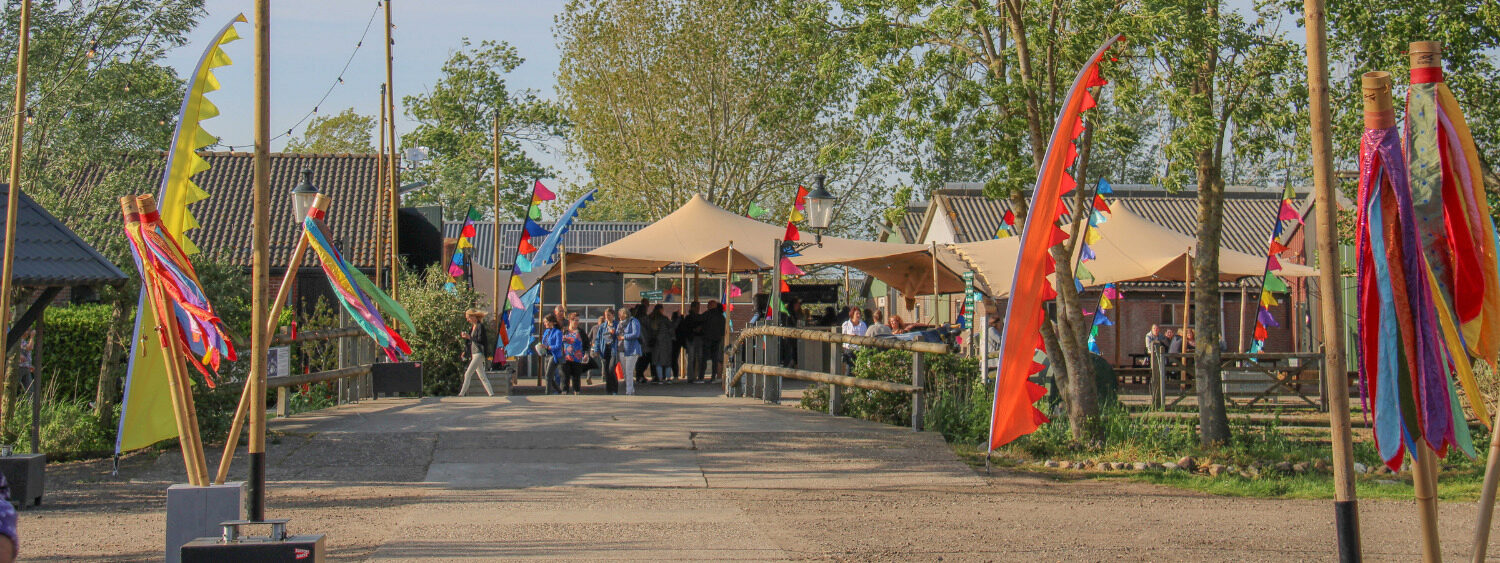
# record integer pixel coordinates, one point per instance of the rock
(1140, 466)
(1052, 463)
(1320, 465)
(1216, 470)
(1284, 467)
(1246, 474)
(1360, 468)
(1169, 466)
(1386, 482)
(1154, 466)
(1300, 467)
(1187, 463)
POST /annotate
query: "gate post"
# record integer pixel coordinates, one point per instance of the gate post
(835, 392)
(1158, 379)
(918, 397)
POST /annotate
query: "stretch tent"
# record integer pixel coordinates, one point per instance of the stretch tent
(711, 238)
(1130, 248)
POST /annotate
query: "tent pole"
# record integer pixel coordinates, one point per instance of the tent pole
(562, 284)
(380, 199)
(934, 284)
(496, 299)
(723, 344)
(682, 296)
(1241, 328)
(393, 174)
(13, 195)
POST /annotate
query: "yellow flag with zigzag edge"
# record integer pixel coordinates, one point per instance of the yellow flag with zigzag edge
(146, 413)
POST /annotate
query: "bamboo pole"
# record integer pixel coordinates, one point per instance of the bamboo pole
(1424, 481)
(380, 199)
(1487, 498)
(1346, 509)
(261, 261)
(393, 174)
(497, 299)
(934, 283)
(13, 192)
(181, 402)
(232, 442)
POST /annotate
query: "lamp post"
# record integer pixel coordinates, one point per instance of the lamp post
(303, 196)
(820, 205)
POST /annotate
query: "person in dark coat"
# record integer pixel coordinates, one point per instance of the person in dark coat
(640, 314)
(690, 339)
(661, 329)
(711, 330)
(790, 318)
(605, 337)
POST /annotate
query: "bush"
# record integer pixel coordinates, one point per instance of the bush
(69, 429)
(71, 348)
(951, 382)
(438, 316)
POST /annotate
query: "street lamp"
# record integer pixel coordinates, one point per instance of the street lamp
(819, 206)
(304, 195)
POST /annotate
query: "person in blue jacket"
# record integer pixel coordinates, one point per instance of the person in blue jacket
(552, 342)
(628, 346)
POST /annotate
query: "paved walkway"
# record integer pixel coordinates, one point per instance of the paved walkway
(680, 474)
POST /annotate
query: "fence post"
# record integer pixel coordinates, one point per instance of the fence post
(1158, 379)
(835, 392)
(918, 398)
(281, 402)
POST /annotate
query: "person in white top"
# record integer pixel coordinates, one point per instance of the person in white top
(854, 326)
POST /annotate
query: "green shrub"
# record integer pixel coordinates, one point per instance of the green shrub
(71, 348)
(69, 429)
(438, 316)
(952, 383)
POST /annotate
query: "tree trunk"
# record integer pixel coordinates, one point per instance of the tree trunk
(106, 391)
(1082, 390)
(1213, 421)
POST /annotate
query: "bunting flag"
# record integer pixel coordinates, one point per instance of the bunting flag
(756, 211)
(801, 202)
(354, 298)
(791, 232)
(1013, 414)
(1101, 315)
(1104, 187)
(790, 269)
(460, 267)
(520, 322)
(146, 413)
(1271, 283)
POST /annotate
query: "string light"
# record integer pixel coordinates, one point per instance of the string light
(30, 117)
(339, 79)
(127, 85)
(93, 49)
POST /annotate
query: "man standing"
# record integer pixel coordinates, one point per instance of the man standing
(690, 339)
(1154, 339)
(711, 331)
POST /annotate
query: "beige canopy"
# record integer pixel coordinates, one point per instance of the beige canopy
(705, 235)
(1130, 248)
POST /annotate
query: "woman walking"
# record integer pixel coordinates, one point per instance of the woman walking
(662, 335)
(575, 357)
(604, 351)
(474, 344)
(628, 344)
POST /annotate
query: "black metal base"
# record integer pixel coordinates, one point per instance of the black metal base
(1346, 521)
(214, 550)
(396, 377)
(257, 486)
(27, 476)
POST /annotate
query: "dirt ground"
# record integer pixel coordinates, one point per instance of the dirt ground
(684, 474)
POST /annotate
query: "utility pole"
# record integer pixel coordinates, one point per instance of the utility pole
(1345, 507)
(392, 175)
(496, 298)
(13, 193)
(260, 275)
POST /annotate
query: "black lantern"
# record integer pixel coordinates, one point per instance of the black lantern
(819, 205)
(304, 195)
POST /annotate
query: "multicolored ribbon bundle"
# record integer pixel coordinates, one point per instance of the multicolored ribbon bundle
(164, 265)
(1272, 284)
(1429, 299)
(461, 266)
(354, 291)
(1014, 413)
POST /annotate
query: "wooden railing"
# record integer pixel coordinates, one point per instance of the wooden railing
(754, 355)
(1251, 377)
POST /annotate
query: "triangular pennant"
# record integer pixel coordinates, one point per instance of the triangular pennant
(534, 213)
(516, 284)
(1111, 292)
(515, 300)
(1077, 285)
(1092, 235)
(788, 268)
(1105, 303)
(1096, 218)
(475, 215)
(1083, 273)
(1009, 218)
(801, 196)
(791, 232)
(1260, 334)
(468, 231)
(1272, 263)
(1104, 187)
(1086, 253)
(1275, 283)
(534, 230)
(755, 211)
(1002, 232)
(735, 291)
(523, 264)
(525, 247)
(1289, 194)
(1265, 317)
(1102, 319)
(455, 270)
(458, 257)
(1276, 247)
(1058, 236)
(785, 289)
(1099, 203)
(1288, 213)
(1268, 299)
(541, 193)
(466, 242)
(797, 216)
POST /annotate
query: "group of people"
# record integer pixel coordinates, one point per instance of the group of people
(631, 346)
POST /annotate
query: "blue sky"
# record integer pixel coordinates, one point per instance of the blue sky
(311, 40)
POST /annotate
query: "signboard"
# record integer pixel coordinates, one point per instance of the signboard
(278, 361)
(652, 295)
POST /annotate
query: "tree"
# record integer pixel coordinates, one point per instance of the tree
(455, 122)
(969, 91)
(343, 132)
(101, 104)
(1228, 87)
(720, 97)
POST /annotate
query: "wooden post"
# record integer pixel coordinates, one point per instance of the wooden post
(36, 381)
(13, 193)
(393, 174)
(380, 199)
(281, 398)
(497, 299)
(1424, 481)
(1487, 498)
(835, 392)
(1241, 328)
(934, 284)
(273, 318)
(918, 398)
(1187, 293)
(723, 344)
(261, 260)
(682, 298)
(562, 282)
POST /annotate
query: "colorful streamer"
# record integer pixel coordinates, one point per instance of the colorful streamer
(461, 266)
(1014, 414)
(519, 323)
(351, 295)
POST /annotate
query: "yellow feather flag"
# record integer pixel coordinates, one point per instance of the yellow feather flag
(1092, 235)
(146, 413)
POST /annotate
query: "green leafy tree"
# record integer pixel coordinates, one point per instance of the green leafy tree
(343, 132)
(1229, 86)
(455, 123)
(727, 98)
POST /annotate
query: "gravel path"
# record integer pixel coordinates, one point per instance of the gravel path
(684, 474)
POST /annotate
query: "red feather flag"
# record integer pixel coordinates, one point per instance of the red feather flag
(525, 247)
(1014, 414)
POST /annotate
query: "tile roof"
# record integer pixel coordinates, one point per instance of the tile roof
(50, 254)
(225, 217)
(1247, 215)
(581, 237)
